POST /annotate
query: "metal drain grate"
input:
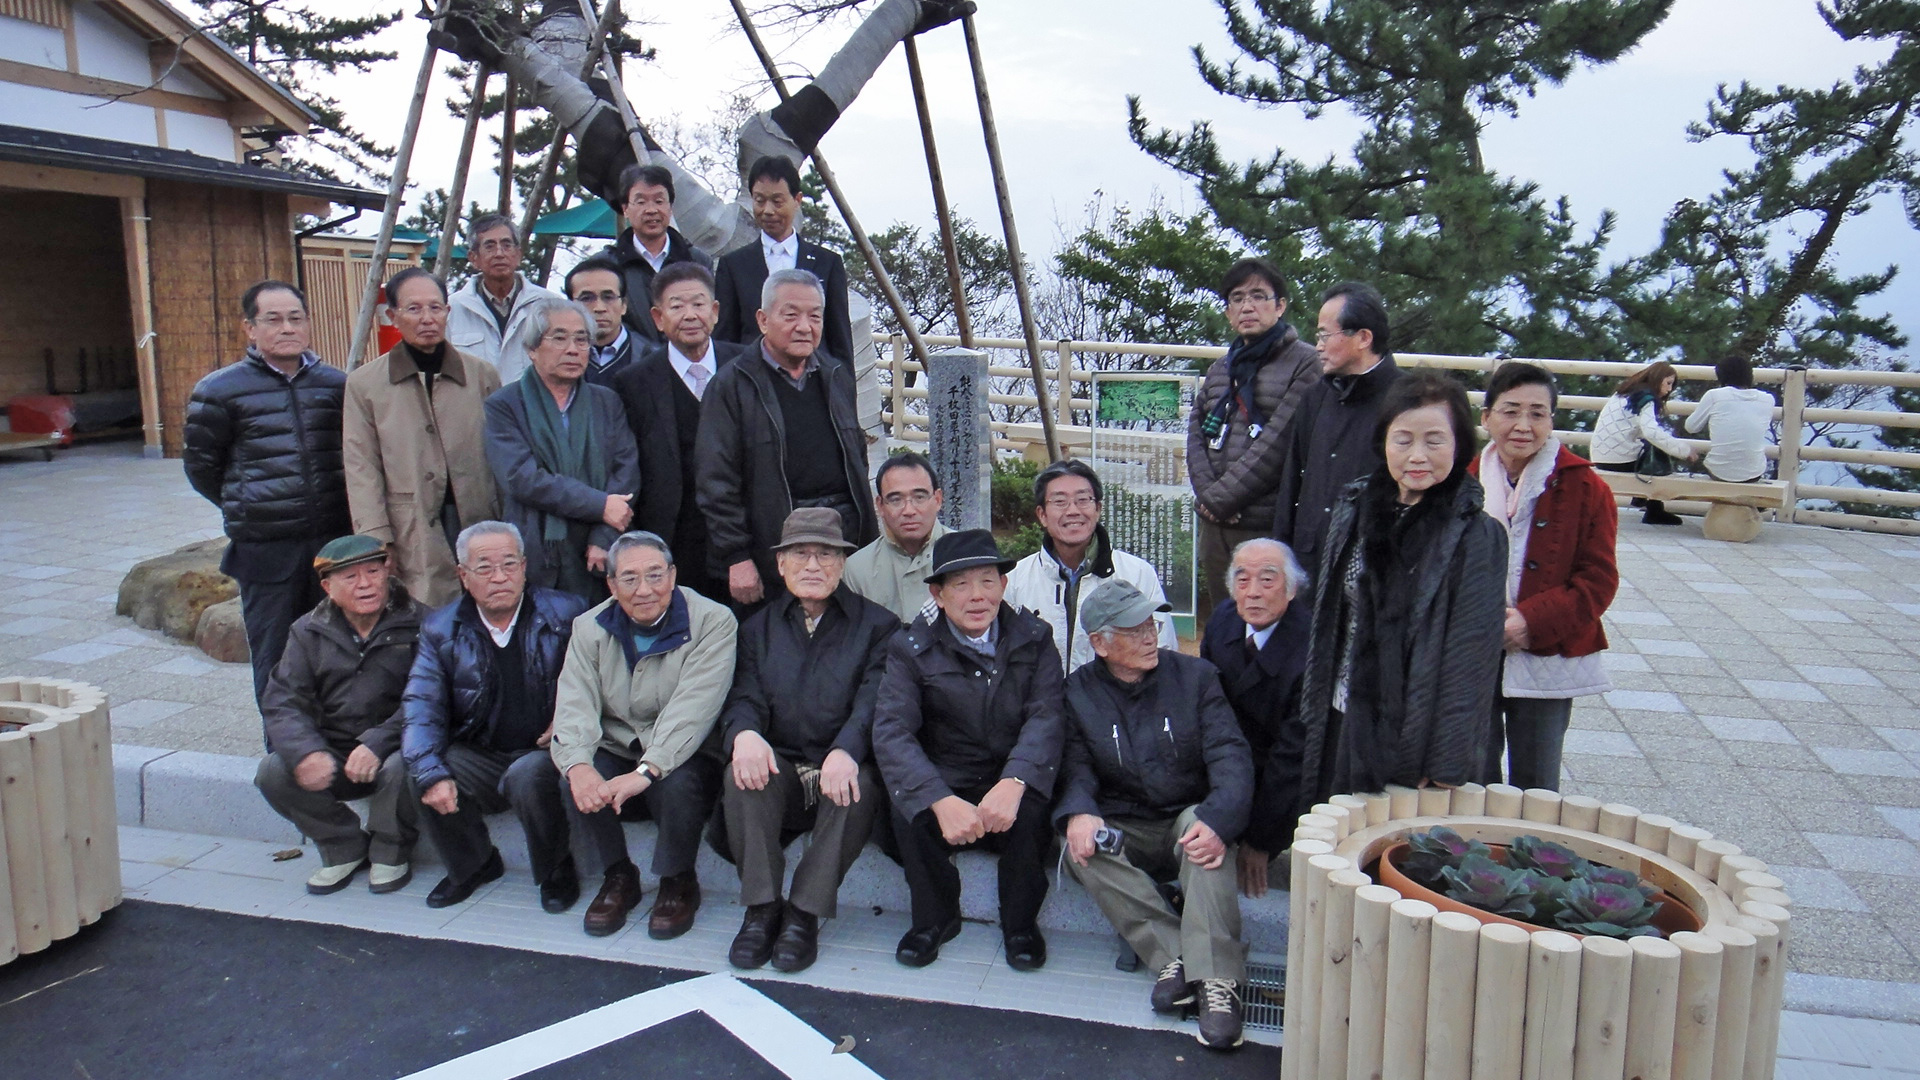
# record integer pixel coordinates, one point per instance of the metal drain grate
(1266, 995)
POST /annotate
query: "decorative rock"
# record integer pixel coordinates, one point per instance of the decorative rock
(168, 593)
(221, 634)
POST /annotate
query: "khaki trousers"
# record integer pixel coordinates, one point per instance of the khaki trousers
(1205, 937)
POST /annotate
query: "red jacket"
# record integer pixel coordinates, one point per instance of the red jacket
(1570, 575)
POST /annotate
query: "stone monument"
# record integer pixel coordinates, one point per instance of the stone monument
(961, 440)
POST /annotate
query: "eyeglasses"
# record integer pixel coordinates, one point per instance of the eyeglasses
(1235, 299)
(1512, 413)
(1145, 632)
(919, 500)
(630, 581)
(492, 247)
(503, 568)
(1324, 336)
(415, 311)
(561, 337)
(608, 297)
(298, 318)
(814, 556)
(1078, 502)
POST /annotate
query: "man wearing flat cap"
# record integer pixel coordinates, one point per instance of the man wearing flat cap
(333, 719)
(967, 732)
(1155, 755)
(797, 726)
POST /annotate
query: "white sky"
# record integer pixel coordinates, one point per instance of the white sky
(1060, 72)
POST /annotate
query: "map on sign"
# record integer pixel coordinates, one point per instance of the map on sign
(1139, 448)
(1124, 400)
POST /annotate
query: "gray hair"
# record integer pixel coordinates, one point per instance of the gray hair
(487, 528)
(1296, 574)
(795, 276)
(638, 538)
(543, 310)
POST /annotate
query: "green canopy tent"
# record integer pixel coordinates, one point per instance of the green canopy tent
(591, 218)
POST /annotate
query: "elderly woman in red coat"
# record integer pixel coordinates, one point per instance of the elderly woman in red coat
(1561, 573)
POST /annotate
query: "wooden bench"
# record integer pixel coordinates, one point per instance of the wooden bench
(27, 440)
(1734, 510)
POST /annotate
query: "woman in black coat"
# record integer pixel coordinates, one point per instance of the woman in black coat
(1408, 612)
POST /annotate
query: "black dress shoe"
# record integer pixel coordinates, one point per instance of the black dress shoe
(799, 942)
(561, 890)
(754, 943)
(1026, 950)
(450, 892)
(921, 945)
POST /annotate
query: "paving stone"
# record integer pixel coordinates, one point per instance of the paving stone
(1645, 700)
(1868, 762)
(1780, 690)
(1603, 743)
(1906, 819)
(80, 653)
(1897, 858)
(1812, 887)
(1746, 729)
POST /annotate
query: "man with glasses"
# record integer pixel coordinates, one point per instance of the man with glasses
(648, 245)
(892, 571)
(1075, 556)
(491, 310)
(562, 454)
(262, 443)
(479, 717)
(662, 390)
(645, 677)
(1333, 440)
(797, 730)
(415, 433)
(596, 283)
(1242, 420)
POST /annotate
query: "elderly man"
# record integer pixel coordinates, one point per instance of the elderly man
(798, 725)
(479, 716)
(415, 431)
(773, 183)
(779, 432)
(1155, 755)
(645, 677)
(892, 571)
(562, 453)
(967, 732)
(662, 391)
(492, 309)
(263, 444)
(648, 245)
(1258, 640)
(1075, 555)
(596, 285)
(333, 720)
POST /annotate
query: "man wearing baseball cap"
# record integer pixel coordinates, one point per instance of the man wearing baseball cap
(1155, 755)
(332, 711)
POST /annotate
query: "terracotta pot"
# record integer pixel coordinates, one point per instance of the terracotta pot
(1672, 918)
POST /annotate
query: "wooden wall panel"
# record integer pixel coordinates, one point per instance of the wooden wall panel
(63, 285)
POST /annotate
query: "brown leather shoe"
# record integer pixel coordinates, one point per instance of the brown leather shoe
(673, 908)
(619, 894)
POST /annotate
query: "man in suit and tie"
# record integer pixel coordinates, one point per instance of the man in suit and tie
(597, 283)
(774, 183)
(1258, 640)
(662, 389)
(648, 245)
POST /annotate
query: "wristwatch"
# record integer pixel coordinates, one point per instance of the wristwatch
(653, 771)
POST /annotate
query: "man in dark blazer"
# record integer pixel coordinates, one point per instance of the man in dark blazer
(648, 245)
(775, 185)
(662, 391)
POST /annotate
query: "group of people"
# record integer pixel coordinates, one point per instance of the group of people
(549, 557)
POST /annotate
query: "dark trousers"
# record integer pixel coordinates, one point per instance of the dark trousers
(489, 782)
(1653, 506)
(934, 881)
(1534, 730)
(277, 586)
(761, 823)
(679, 803)
(325, 818)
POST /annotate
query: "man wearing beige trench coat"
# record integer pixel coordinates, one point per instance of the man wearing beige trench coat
(415, 457)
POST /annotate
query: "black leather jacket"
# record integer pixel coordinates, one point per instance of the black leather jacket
(265, 449)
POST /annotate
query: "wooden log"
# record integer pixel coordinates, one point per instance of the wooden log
(1650, 1013)
(1541, 805)
(1470, 800)
(1683, 841)
(1618, 821)
(1356, 810)
(1341, 817)
(1698, 1005)
(1652, 831)
(1500, 998)
(1435, 801)
(1318, 821)
(1404, 802)
(1606, 984)
(1736, 1001)
(1455, 951)
(1409, 964)
(1504, 800)
(1707, 855)
(1324, 835)
(1313, 964)
(1367, 1012)
(1302, 853)
(1336, 974)
(20, 819)
(79, 783)
(1580, 812)
(103, 877)
(1769, 986)
(1379, 808)
(1746, 881)
(1775, 897)
(1553, 1006)
(9, 937)
(50, 806)
(1731, 867)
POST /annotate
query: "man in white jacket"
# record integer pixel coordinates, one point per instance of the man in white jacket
(1739, 419)
(488, 311)
(1076, 556)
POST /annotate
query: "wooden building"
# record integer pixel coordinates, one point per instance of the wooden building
(137, 197)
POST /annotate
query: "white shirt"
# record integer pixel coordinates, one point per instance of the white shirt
(1739, 422)
(1261, 637)
(682, 366)
(604, 354)
(501, 637)
(655, 261)
(780, 254)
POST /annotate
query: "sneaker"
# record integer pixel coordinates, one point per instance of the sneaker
(331, 879)
(389, 877)
(1219, 1014)
(1172, 991)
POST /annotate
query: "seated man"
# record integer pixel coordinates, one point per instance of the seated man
(332, 712)
(967, 733)
(479, 716)
(1258, 640)
(645, 676)
(1154, 754)
(798, 723)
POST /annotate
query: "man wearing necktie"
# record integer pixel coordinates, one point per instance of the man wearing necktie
(774, 183)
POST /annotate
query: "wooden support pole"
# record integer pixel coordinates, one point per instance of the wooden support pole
(941, 210)
(610, 71)
(1600, 1033)
(1409, 965)
(1650, 1015)
(1736, 1001)
(510, 106)
(1553, 1006)
(1017, 262)
(1449, 1031)
(1580, 812)
(1540, 805)
(539, 195)
(1367, 1011)
(462, 163)
(1469, 800)
(1793, 408)
(1505, 801)
(50, 806)
(1336, 977)
(20, 820)
(1296, 1014)
(133, 237)
(1698, 1005)
(1500, 1001)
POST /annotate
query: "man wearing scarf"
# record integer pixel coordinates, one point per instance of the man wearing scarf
(562, 454)
(1242, 421)
(415, 441)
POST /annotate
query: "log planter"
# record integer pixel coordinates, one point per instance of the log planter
(1673, 917)
(1385, 984)
(59, 838)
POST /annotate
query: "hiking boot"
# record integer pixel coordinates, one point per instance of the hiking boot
(1172, 991)
(1219, 1014)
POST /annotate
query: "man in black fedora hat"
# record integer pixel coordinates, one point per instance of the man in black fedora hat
(967, 732)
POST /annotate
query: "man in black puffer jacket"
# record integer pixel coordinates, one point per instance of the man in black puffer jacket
(263, 444)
